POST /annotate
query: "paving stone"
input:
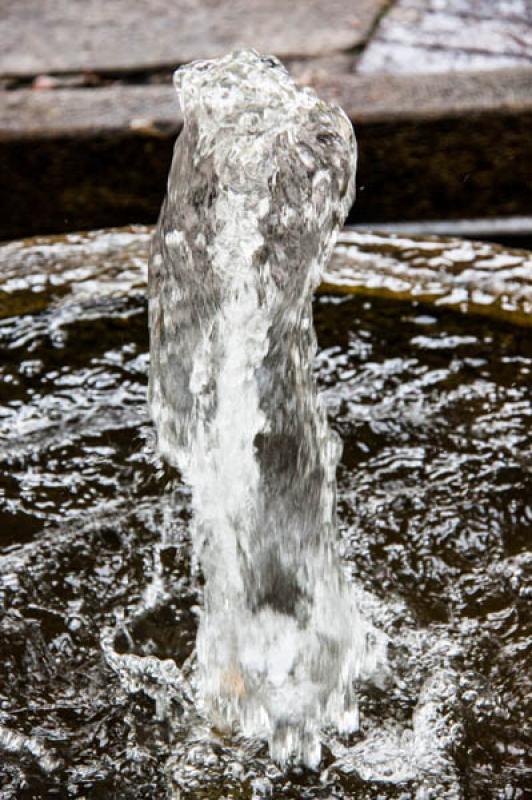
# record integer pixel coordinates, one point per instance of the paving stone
(134, 35)
(420, 36)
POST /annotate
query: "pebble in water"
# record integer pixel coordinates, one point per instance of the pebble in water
(261, 181)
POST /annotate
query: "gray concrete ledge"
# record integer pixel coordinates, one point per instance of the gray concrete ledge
(431, 147)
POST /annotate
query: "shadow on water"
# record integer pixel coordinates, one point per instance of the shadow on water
(434, 510)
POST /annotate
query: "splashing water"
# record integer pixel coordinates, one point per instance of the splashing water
(262, 179)
(433, 514)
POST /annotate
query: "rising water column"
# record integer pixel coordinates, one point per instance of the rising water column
(261, 180)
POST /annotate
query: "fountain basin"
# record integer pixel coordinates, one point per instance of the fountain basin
(424, 362)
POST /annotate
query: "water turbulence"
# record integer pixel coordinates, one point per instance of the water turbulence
(262, 179)
(433, 407)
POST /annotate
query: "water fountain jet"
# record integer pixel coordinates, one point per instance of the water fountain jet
(262, 178)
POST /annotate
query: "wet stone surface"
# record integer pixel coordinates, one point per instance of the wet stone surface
(434, 510)
(468, 276)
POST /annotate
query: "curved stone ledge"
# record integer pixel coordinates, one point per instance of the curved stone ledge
(470, 277)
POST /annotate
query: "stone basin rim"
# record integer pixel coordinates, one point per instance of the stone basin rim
(431, 270)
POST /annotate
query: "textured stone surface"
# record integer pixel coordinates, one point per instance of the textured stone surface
(420, 36)
(132, 35)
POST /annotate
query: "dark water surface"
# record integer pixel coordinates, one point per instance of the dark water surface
(435, 511)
